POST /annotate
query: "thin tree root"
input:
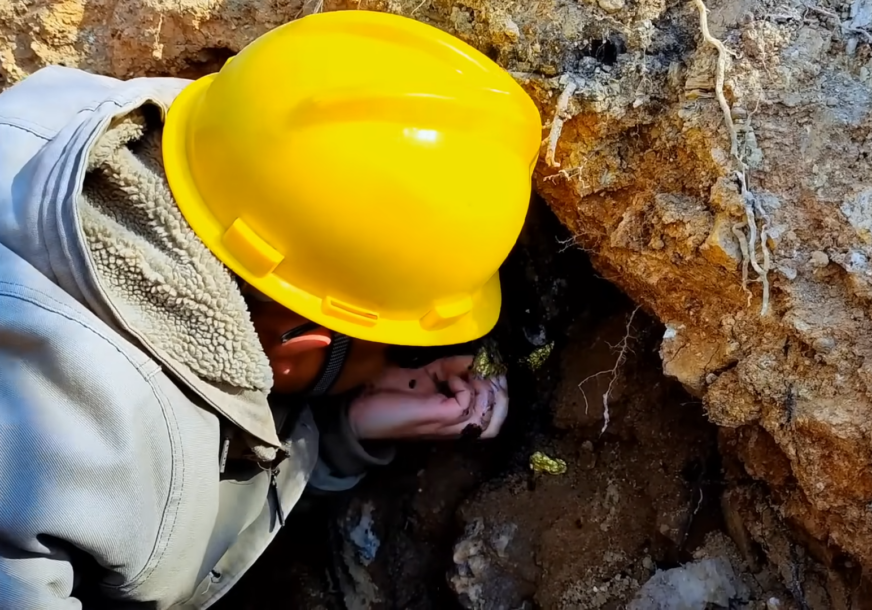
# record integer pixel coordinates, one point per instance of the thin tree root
(623, 348)
(557, 122)
(738, 231)
(719, 76)
(753, 210)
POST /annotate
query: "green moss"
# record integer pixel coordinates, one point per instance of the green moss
(539, 356)
(541, 463)
(488, 362)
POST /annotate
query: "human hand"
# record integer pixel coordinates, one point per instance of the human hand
(409, 403)
(427, 380)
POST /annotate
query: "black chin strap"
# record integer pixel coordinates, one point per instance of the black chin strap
(334, 361)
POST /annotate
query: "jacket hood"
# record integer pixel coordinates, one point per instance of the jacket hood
(149, 262)
(161, 281)
(92, 211)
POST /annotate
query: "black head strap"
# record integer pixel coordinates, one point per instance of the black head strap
(337, 355)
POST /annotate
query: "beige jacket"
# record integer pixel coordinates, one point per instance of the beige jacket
(141, 464)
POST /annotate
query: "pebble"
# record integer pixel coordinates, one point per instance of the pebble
(819, 259)
(824, 345)
(611, 6)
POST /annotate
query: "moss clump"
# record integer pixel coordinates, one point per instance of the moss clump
(541, 463)
(539, 356)
(488, 362)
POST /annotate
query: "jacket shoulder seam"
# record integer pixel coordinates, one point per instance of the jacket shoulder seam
(19, 291)
(18, 125)
(34, 129)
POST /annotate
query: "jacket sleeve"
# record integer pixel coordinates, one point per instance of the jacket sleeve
(85, 468)
(343, 459)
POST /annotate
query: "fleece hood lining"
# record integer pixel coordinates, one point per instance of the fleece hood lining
(161, 280)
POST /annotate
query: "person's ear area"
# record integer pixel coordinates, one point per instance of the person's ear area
(295, 363)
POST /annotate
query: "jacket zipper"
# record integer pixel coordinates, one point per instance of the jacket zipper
(274, 491)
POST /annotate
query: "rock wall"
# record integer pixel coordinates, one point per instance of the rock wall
(638, 161)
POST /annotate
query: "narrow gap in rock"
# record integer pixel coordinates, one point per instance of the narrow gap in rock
(204, 61)
(468, 524)
(605, 51)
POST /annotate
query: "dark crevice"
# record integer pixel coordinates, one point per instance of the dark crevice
(205, 61)
(605, 51)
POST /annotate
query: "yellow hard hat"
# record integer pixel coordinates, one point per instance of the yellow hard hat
(367, 171)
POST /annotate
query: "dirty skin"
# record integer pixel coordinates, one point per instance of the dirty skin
(486, 364)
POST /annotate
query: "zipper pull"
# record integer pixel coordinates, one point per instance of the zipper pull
(274, 489)
(225, 449)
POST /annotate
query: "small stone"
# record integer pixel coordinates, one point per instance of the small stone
(738, 113)
(504, 30)
(721, 247)
(647, 563)
(787, 271)
(611, 6)
(824, 345)
(819, 259)
(792, 99)
(851, 46)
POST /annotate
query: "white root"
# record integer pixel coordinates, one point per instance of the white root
(746, 257)
(753, 208)
(719, 76)
(623, 348)
(557, 122)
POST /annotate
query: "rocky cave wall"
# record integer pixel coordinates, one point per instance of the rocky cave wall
(637, 163)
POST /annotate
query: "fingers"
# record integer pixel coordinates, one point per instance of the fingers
(424, 380)
(380, 416)
(403, 414)
(395, 415)
(396, 379)
(489, 412)
(463, 393)
(500, 409)
(454, 366)
(484, 399)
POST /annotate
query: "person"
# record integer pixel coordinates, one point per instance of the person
(201, 283)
